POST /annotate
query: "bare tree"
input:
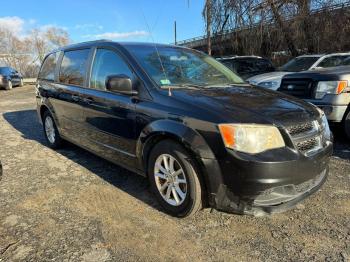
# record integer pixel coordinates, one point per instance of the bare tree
(27, 53)
(39, 44)
(266, 27)
(45, 40)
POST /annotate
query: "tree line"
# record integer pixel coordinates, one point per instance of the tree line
(275, 27)
(25, 53)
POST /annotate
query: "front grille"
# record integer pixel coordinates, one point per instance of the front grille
(306, 137)
(297, 129)
(301, 88)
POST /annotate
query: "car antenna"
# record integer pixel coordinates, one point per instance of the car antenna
(155, 47)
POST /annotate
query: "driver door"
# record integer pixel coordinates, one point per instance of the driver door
(109, 117)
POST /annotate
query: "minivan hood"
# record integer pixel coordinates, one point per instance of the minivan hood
(247, 104)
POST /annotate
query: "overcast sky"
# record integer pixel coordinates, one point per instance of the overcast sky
(120, 20)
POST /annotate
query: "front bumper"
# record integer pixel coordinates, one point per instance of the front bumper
(274, 200)
(256, 187)
(334, 113)
(334, 106)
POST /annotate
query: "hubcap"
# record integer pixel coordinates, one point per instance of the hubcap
(170, 179)
(50, 130)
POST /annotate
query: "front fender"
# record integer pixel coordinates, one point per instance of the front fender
(189, 137)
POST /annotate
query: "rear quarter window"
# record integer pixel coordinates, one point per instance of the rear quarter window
(47, 71)
(74, 66)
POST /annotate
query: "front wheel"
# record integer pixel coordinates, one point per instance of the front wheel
(173, 176)
(52, 136)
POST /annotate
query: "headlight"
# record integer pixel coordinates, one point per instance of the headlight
(251, 138)
(270, 84)
(330, 87)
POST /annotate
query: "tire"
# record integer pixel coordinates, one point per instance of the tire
(346, 124)
(21, 83)
(9, 85)
(189, 200)
(51, 133)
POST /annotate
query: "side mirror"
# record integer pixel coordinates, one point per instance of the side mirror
(120, 84)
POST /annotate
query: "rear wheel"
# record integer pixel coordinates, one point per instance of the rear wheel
(9, 85)
(173, 176)
(21, 83)
(52, 136)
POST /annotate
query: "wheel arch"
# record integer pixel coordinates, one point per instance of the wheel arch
(43, 108)
(191, 140)
(163, 129)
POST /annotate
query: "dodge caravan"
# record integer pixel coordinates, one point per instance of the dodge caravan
(200, 134)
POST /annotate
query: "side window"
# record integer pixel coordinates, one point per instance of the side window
(332, 61)
(73, 67)
(107, 63)
(47, 71)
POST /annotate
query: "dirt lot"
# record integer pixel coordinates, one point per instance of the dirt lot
(70, 205)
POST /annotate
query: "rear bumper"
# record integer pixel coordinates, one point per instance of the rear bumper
(264, 187)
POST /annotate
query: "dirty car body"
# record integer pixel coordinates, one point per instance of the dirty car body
(298, 64)
(124, 127)
(307, 85)
(328, 88)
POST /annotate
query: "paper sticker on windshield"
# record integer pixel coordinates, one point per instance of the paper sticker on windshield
(165, 82)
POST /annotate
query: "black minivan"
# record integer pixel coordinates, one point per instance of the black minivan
(202, 136)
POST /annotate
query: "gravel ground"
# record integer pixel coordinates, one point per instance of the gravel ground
(69, 205)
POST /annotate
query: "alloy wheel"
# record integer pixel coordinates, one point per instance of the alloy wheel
(50, 130)
(170, 179)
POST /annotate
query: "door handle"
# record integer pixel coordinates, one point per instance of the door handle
(88, 100)
(75, 98)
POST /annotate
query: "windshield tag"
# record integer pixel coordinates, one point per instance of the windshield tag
(165, 82)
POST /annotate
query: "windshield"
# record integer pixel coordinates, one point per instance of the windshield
(248, 65)
(172, 66)
(299, 64)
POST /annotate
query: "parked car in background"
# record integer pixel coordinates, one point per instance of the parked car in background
(301, 63)
(9, 77)
(199, 133)
(326, 88)
(247, 66)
